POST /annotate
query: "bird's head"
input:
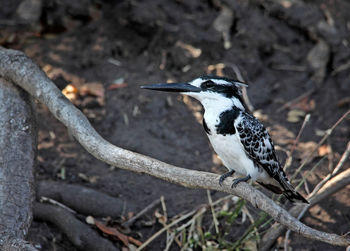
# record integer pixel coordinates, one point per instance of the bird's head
(209, 90)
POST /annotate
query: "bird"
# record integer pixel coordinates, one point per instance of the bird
(239, 139)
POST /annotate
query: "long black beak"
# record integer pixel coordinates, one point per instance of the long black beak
(175, 87)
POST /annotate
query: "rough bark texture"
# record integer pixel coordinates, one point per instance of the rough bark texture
(80, 234)
(83, 200)
(21, 70)
(17, 155)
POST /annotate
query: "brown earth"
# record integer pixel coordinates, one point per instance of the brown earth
(270, 43)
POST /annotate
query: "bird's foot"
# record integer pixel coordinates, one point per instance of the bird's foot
(236, 181)
(225, 175)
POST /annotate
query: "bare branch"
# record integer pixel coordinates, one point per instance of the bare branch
(341, 162)
(131, 221)
(332, 186)
(22, 71)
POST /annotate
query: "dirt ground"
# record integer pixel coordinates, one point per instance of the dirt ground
(283, 49)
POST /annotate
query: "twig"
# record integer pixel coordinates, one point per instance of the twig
(320, 192)
(296, 141)
(244, 89)
(341, 68)
(131, 221)
(21, 70)
(333, 185)
(56, 203)
(114, 61)
(169, 239)
(327, 134)
(341, 162)
(291, 102)
(215, 220)
(165, 228)
(324, 193)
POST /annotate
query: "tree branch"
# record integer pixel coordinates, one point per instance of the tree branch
(22, 71)
(329, 185)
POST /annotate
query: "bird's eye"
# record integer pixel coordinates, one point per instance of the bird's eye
(208, 84)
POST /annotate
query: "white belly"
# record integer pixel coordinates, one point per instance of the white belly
(230, 151)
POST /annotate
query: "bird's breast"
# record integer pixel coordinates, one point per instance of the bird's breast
(230, 151)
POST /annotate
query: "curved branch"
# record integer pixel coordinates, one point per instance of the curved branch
(17, 155)
(22, 71)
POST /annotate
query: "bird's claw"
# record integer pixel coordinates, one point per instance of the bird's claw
(237, 181)
(225, 175)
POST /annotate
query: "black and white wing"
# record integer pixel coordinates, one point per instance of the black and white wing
(259, 147)
(257, 143)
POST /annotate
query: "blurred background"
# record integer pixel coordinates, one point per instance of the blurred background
(294, 55)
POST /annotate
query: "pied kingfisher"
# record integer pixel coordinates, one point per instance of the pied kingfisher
(240, 140)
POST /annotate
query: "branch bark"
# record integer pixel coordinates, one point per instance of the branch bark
(17, 155)
(22, 71)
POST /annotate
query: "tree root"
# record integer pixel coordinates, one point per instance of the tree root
(80, 234)
(83, 200)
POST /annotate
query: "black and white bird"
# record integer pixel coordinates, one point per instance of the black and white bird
(240, 140)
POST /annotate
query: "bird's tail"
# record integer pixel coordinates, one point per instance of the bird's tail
(294, 196)
(288, 190)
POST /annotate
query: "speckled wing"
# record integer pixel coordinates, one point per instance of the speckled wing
(258, 144)
(259, 147)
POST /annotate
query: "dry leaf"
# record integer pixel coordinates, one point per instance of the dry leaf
(286, 4)
(191, 51)
(161, 218)
(45, 145)
(112, 231)
(324, 150)
(91, 179)
(251, 245)
(305, 148)
(343, 102)
(94, 89)
(295, 115)
(281, 135)
(117, 86)
(305, 105)
(216, 69)
(71, 92)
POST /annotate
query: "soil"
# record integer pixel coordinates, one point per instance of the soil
(74, 42)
